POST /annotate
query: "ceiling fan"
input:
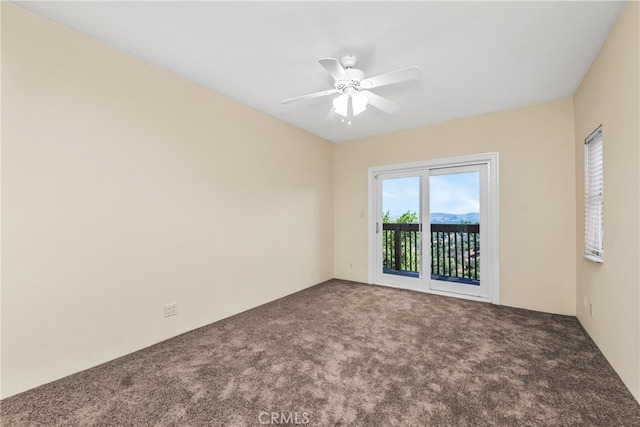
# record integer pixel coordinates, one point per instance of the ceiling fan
(353, 88)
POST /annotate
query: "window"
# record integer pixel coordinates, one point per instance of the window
(593, 197)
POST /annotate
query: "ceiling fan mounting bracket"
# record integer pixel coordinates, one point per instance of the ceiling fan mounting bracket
(349, 61)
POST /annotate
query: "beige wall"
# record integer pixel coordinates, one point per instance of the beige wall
(609, 95)
(537, 196)
(126, 188)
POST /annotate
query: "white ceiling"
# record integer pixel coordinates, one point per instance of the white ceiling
(475, 57)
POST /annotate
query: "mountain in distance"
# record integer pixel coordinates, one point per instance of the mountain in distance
(447, 218)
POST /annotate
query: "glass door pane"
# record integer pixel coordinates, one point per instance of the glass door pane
(455, 216)
(401, 226)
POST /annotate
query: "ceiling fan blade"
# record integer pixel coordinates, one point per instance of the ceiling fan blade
(310, 96)
(381, 103)
(334, 68)
(397, 76)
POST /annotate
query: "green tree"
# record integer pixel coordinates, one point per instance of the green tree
(409, 242)
(386, 218)
(408, 217)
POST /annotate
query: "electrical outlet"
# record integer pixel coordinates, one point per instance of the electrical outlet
(170, 310)
(590, 308)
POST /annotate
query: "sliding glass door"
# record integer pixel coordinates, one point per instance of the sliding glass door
(456, 214)
(430, 228)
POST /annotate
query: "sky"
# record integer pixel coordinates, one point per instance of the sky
(452, 193)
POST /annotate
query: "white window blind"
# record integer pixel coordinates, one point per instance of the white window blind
(593, 197)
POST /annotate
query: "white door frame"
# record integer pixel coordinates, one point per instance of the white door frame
(492, 275)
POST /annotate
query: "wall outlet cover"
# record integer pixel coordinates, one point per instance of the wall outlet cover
(170, 310)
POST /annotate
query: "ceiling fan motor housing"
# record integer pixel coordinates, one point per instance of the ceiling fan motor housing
(353, 84)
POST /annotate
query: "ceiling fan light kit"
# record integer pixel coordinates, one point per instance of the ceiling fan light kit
(353, 89)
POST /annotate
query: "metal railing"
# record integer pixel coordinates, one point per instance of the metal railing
(455, 251)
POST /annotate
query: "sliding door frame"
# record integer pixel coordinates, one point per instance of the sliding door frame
(492, 276)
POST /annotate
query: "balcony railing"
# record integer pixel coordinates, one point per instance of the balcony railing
(455, 251)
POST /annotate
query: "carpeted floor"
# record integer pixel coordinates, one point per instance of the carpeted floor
(343, 353)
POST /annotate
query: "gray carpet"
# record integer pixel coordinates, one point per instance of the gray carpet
(343, 353)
